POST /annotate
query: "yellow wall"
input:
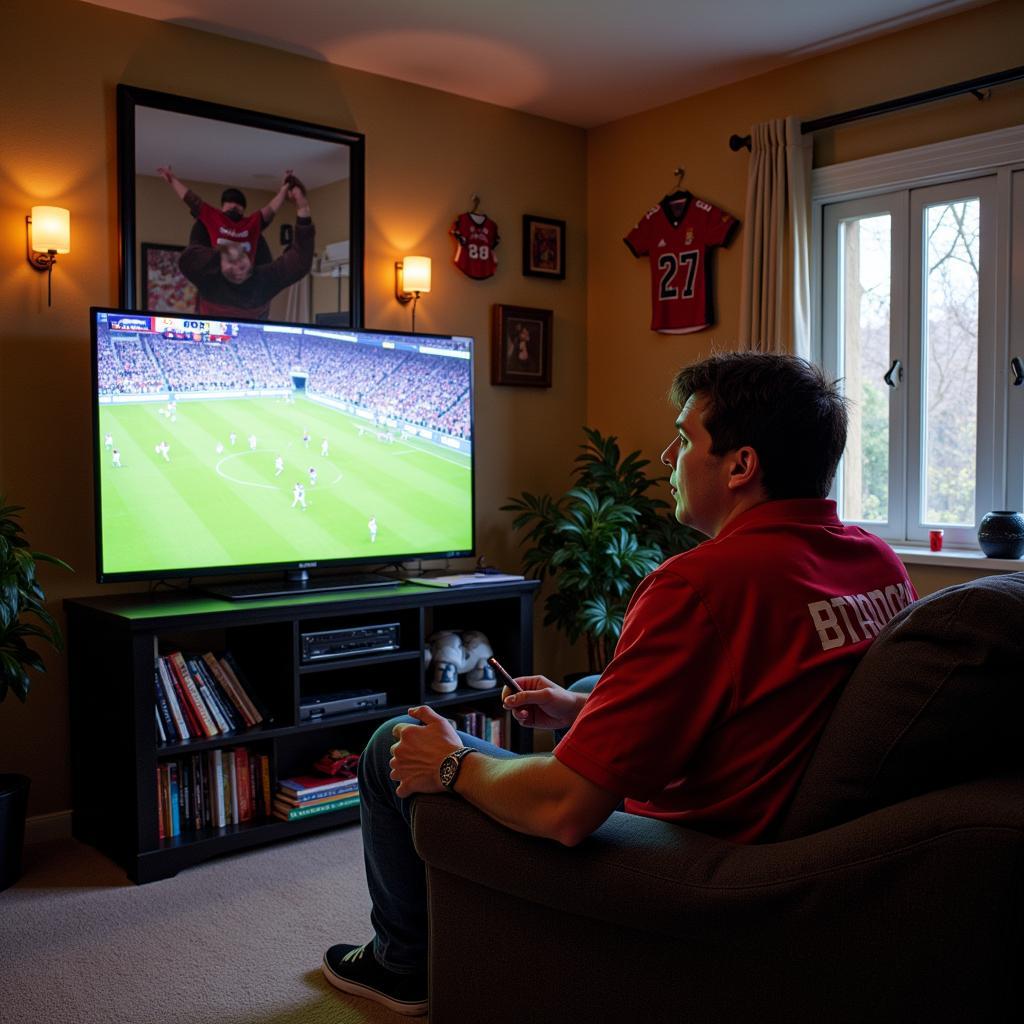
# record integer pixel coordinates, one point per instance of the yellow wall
(630, 167)
(427, 152)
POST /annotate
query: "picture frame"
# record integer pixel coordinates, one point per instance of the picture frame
(164, 288)
(543, 247)
(521, 343)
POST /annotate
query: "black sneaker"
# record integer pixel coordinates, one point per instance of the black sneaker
(355, 969)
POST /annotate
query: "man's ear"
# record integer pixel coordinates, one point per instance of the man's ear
(745, 468)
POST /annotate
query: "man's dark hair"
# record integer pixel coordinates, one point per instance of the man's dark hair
(233, 195)
(781, 406)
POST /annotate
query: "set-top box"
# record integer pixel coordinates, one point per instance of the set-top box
(349, 642)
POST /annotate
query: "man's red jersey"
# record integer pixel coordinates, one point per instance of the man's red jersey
(677, 235)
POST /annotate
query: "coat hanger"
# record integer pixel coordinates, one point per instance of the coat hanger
(679, 195)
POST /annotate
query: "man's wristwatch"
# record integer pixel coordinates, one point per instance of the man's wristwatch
(449, 769)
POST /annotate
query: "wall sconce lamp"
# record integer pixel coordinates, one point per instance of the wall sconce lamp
(47, 234)
(412, 279)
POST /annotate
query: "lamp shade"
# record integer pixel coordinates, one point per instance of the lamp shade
(51, 229)
(416, 274)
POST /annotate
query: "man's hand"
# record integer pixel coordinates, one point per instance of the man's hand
(418, 751)
(297, 195)
(542, 704)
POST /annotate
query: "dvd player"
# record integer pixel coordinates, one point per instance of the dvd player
(313, 709)
(327, 644)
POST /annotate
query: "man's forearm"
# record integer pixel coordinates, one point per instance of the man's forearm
(536, 795)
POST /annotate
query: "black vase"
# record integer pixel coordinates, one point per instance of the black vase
(1001, 534)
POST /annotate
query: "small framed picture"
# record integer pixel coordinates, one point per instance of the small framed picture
(521, 346)
(165, 288)
(543, 247)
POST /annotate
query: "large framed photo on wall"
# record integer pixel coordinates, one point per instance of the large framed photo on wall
(521, 346)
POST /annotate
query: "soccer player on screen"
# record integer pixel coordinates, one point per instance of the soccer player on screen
(312, 476)
(108, 441)
(324, 448)
(115, 458)
(372, 527)
(278, 466)
(232, 437)
(298, 495)
(252, 442)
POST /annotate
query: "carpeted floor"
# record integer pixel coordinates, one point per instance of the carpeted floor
(237, 940)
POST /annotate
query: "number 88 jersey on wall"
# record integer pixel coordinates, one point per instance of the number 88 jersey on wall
(677, 236)
(478, 237)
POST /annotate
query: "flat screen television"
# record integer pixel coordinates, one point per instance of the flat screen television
(241, 447)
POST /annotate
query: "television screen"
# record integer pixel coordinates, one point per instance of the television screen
(224, 445)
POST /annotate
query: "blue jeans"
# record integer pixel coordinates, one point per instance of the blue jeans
(395, 875)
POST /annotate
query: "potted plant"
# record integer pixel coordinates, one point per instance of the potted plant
(598, 541)
(21, 601)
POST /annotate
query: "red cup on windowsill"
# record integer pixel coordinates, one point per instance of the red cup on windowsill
(935, 540)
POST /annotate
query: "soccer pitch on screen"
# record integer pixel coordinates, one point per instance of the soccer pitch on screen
(213, 503)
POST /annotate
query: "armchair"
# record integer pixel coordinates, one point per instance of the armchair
(894, 890)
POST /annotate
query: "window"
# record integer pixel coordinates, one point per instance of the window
(917, 316)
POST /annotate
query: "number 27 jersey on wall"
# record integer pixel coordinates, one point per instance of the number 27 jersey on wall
(677, 235)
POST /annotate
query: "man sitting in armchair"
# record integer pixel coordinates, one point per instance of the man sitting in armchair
(730, 660)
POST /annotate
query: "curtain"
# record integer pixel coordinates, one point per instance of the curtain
(775, 299)
(297, 301)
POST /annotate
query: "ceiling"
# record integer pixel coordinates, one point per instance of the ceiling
(581, 62)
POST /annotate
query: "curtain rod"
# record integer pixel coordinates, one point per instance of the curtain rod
(973, 85)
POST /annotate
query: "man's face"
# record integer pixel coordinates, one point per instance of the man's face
(699, 479)
(235, 264)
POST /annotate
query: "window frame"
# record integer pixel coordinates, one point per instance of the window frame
(997, 157)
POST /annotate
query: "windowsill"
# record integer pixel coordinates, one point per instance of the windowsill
(970, 561)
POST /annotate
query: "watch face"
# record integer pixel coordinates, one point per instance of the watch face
(449, 769)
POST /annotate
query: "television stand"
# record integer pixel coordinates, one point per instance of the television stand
(291, 586)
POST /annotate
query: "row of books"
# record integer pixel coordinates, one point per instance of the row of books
(212, 789)
(201, 696)
(304, 796)
(476, 723)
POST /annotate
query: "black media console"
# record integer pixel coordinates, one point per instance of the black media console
(113, 644)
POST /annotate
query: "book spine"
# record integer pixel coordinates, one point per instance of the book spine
(197, 792)
(209, 814)
(231, 780)
(295, 813)
(304, 796)
(234, 673)
(181, 726)
(217, 671)
(265, 782)
(217, 787)
(242, 783)
(173, 798)
(163, 708)
(227, 709)
(161, 806)
(207, 696)
(161, 736)
(193, 725)
(255, 792)
(207, 724)
(185, 788)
